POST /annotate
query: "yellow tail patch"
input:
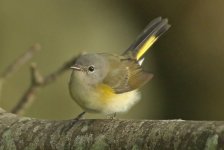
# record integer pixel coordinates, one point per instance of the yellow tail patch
(146, 46)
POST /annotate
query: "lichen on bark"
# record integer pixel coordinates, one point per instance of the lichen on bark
(28, 133)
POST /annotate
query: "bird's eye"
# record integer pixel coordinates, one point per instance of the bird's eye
(91, 69)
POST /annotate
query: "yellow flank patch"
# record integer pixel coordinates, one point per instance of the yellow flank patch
(145, 47)
(105, 91)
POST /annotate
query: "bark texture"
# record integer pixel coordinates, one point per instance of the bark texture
(28, 134)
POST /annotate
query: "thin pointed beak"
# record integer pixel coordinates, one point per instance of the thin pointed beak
(76, 68)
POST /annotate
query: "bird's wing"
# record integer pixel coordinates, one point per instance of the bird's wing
(126, 75)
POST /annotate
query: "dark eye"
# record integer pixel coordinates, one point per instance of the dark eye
(91, 68)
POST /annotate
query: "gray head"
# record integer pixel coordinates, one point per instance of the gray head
(90, 68)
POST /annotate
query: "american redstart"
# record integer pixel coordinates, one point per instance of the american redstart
(108, 83)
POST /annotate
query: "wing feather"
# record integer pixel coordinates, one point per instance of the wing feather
(126, 75)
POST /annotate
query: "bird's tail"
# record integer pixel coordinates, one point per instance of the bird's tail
(145, 40)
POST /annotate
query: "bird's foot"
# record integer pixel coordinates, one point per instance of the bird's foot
(80, 116)
(112, 116)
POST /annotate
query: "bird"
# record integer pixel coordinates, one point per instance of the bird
(109, 83)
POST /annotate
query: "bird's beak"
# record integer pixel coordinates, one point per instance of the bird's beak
(76, 68)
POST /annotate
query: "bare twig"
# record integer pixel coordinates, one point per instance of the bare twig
(18, 63)
(38, 81)
(53, 76)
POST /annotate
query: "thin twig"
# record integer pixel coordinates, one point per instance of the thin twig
(53, 76)
(38, 81)
(18, 63)
(22, 104)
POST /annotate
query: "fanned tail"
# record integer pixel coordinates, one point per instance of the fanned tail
(145, 40)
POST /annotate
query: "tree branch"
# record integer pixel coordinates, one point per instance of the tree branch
(27, 133)
(38, 81)
(18, 63)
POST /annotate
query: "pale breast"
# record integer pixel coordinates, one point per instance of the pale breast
(102, 98)
(113, 102)
(121, 102)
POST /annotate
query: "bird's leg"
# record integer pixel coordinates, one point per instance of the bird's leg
(112, 116)
(80, 116)
(74, 121)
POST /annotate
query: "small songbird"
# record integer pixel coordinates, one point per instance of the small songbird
(108, 83)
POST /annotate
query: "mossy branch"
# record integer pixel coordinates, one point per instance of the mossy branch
(27, 133)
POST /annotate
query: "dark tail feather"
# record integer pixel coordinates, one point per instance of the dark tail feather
(145, 40)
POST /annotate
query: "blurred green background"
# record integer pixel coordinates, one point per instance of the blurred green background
(188, 61)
